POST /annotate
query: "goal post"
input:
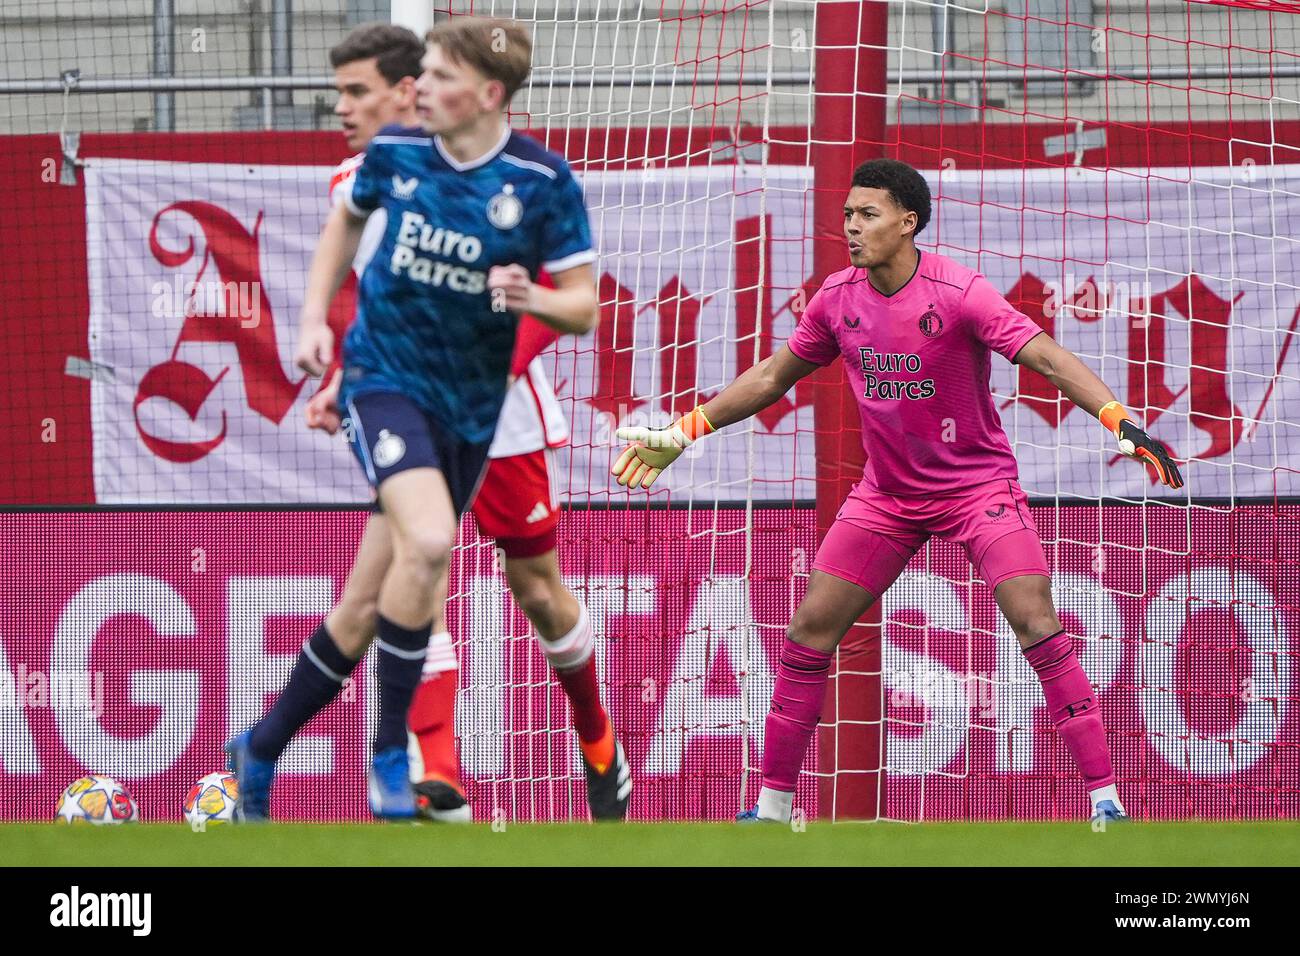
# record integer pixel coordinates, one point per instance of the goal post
(849, 127)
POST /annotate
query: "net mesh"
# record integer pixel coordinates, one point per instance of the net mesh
(1125, 174)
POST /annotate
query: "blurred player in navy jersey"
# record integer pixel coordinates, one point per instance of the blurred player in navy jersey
(516, 503)
(455, 217)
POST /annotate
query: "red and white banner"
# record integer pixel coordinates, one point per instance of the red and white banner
(196, 275)
(1177, 293)
(134, 644)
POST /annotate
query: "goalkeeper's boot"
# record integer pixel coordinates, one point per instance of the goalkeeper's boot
(751, 816)
(609, 791)
(1106, 813)
(253, 802)
(442, 801)
(389, 785)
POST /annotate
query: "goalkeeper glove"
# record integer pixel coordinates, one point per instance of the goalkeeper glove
(1135, 443)
(654, 449)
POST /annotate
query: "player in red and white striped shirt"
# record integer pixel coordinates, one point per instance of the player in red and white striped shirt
(517, 504)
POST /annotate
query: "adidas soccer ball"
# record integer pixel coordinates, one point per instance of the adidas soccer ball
(96, 799)
(212, 799)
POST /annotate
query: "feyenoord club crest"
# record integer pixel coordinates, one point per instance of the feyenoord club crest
(930, 324)
(389, 449)
(504, 209)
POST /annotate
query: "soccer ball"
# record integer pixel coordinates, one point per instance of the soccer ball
(212, 800)
(96, 799)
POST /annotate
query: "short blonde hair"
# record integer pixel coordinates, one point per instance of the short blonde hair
(499, 49)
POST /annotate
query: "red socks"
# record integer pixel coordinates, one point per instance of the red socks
(432, 716)
(589, 718)
(572, 658)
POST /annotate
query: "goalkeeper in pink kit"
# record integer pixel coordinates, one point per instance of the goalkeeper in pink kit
(915, 331)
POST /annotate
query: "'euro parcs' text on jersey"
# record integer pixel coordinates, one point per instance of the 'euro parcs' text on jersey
(531, 417)
(919, 363)
(425, 326)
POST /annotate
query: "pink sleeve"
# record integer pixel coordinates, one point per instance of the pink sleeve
(994, 321)
(813, 341)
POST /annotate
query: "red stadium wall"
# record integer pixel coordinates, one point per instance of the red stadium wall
(45, 428)
(134, 643)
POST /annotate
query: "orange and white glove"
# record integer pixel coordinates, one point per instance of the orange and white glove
(1135, 443)
(654, 449)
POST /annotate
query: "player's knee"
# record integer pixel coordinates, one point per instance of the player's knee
(805, 629)
(428, 547)
(1032, 629)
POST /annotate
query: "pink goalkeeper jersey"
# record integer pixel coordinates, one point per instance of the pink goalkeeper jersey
(919, 363)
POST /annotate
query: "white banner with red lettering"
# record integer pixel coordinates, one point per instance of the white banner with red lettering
(196, 275)
(1180, 294)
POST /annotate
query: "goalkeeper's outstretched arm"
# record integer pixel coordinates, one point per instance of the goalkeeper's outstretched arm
(651, 450)
(1080, 385)
(757, 388)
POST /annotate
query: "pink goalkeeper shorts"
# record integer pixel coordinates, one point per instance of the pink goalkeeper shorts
(875, 534)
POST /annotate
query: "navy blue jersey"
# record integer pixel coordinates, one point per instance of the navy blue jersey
(425, 326)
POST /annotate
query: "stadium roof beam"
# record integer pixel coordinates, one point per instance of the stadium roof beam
(546, 78)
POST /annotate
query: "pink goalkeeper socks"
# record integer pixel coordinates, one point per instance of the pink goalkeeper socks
(801, 689)
(796, 707)
(1073, 707)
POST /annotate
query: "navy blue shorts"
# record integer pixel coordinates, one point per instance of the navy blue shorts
(391, 434)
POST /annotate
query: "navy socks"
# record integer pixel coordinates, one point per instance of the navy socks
(317, 677)
(401, 660)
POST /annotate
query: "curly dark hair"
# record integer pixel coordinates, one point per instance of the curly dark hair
(397, 51)
(906, 187)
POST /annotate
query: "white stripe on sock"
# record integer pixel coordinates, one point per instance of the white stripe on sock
(320, 664)
(572, 650)
(407, 655)
(441, 655)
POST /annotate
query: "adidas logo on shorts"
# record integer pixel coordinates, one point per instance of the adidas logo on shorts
(539, 512)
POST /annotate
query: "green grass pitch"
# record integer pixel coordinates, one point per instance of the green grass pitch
(650, 844)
